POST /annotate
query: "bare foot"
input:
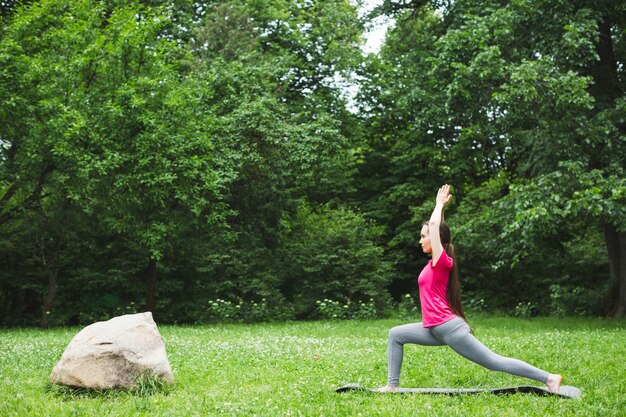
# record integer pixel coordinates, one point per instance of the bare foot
(554, 383)
(388, 388)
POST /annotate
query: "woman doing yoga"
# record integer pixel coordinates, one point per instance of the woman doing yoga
(443, 320)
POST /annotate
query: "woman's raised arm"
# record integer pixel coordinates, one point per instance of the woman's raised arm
(443, 197)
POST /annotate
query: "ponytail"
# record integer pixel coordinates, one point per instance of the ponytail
(453, 293)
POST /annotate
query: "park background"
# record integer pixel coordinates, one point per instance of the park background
(247, 161)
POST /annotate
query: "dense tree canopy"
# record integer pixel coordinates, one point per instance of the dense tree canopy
(162, 155)
(520, 105)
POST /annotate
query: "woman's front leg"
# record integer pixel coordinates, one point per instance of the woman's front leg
(413, 333)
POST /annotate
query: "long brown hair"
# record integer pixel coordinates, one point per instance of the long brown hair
(453, 294)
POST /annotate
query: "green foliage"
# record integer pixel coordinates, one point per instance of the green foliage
(524, 238)
(223, 311)
(165, 153)
(348, 310)
(99, 308)
(408, 308)
(525, 309)
(332, 254)
(178, 149)
(540, 212)
(519, 105)
(306, 46)
(121, 131)
(475, 305)
(568, 300)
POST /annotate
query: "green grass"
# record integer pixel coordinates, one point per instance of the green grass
(291, 369)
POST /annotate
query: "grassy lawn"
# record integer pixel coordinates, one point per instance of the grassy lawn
(291, 369)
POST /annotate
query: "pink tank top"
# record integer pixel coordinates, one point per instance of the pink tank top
(433, 285)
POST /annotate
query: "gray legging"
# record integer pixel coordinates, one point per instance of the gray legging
(456, 334)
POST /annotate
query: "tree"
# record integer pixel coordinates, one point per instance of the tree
(277, 118)
(519, 88)
(178, 144)
(98, 99)
(334, 254)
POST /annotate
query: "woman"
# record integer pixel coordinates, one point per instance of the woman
(443, 318)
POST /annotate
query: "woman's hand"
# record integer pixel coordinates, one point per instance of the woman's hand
(443, 195)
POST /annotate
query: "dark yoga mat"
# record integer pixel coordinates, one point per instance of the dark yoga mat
(565, 391)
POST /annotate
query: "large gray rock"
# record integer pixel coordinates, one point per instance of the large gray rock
(114, 354)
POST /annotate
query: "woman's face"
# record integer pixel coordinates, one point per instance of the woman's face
(425, 240)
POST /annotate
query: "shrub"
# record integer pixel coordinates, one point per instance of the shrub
(242, 311)
(408, 307)
(475, 305)
(525, 309)
(328, 309)
(577, 300)
(332, 254)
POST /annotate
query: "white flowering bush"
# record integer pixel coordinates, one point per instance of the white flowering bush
(408, 307)
(243, 311)
(328, 309)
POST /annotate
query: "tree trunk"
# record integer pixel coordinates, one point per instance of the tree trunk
(616, 248)
(606, 89)
(6, 302)
(606, 86)
(49, 297)
(49, 260)
(152, 281)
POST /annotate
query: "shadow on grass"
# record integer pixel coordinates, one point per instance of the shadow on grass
(145, 386)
